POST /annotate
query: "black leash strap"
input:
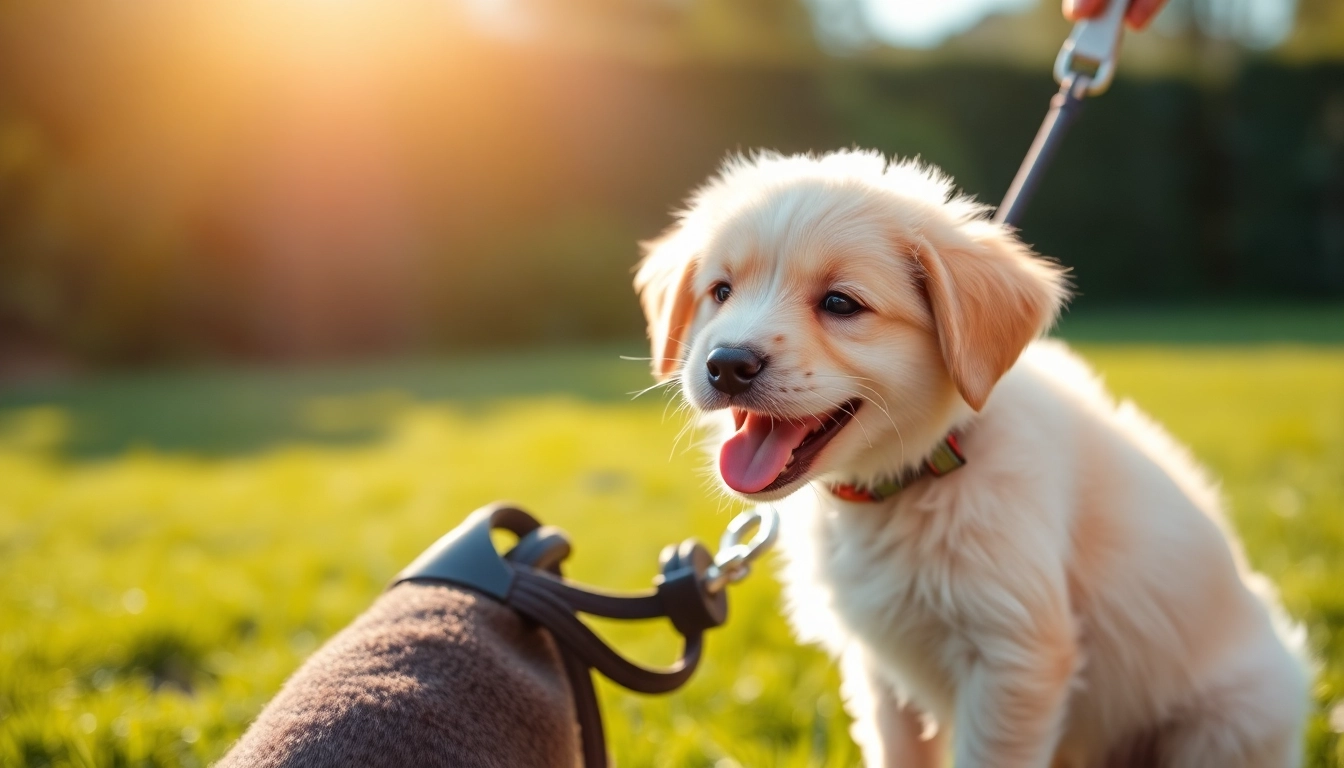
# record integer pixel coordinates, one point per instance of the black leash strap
(689, 592)
(1064, 107)
(1084, 67)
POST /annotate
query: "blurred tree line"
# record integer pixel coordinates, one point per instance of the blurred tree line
(266, 180)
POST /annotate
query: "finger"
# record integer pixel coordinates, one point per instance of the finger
(1084, 9)
(1141, 12)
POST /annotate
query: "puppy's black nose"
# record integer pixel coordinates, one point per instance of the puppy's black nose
(732, 369)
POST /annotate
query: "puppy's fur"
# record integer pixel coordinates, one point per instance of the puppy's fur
(1072, 596)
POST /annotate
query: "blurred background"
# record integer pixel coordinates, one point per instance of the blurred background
(318, 179)
(288, 287)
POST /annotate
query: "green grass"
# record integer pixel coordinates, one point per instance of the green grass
(173, 545)
(218, 411)
(227, 411)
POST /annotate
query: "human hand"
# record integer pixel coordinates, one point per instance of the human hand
(1139, 14)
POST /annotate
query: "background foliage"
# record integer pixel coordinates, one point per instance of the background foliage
(279, 180)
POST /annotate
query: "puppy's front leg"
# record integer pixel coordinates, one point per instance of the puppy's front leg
(1011, 706)
(889, 733)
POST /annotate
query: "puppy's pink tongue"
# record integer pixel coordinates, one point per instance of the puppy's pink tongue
(752, 459)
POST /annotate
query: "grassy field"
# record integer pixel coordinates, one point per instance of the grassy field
(173, 545)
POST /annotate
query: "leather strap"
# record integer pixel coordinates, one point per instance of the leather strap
(529, 580)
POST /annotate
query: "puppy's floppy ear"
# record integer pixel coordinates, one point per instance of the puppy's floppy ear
(990, 297)
(664, 283)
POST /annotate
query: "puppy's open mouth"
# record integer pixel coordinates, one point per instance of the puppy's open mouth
(769, 452)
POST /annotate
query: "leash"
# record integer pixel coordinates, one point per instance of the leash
(1085, 67)
(689, 591)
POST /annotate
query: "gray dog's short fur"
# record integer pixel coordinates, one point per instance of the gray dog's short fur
(428, 676)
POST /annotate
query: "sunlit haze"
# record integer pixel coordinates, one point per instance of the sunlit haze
(927, 23)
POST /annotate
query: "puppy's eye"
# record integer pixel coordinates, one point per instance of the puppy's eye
(721, 292)
(839, 304)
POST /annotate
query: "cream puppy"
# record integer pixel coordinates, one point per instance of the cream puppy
(1071, 596)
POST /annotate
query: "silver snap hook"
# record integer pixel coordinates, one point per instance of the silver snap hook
(733, 561)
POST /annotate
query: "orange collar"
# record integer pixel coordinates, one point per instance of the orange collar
(945, 458)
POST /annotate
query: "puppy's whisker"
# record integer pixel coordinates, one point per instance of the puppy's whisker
(812, 487)
(666, 405)
(867, 438)
(887, 413)
(884, 407)
(632, 358)
(847, 377)
(831, 407)
(686, 428)
(899, 437)
(859, 421)
(723, 502)
(681, 407)
(640, 393)
(681, 402)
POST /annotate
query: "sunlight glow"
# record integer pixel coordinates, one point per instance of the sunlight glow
(927, 23)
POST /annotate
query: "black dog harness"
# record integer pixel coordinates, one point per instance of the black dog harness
(689, 591)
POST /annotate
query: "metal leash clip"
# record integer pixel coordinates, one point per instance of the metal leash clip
(733, 561)
(1085, 67)
(1088, 56)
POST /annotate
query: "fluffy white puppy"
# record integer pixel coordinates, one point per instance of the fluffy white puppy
(1071, 595)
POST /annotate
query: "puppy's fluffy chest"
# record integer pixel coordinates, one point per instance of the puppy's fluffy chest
(890, 585)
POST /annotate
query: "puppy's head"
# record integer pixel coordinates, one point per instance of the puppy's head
(836, 314)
